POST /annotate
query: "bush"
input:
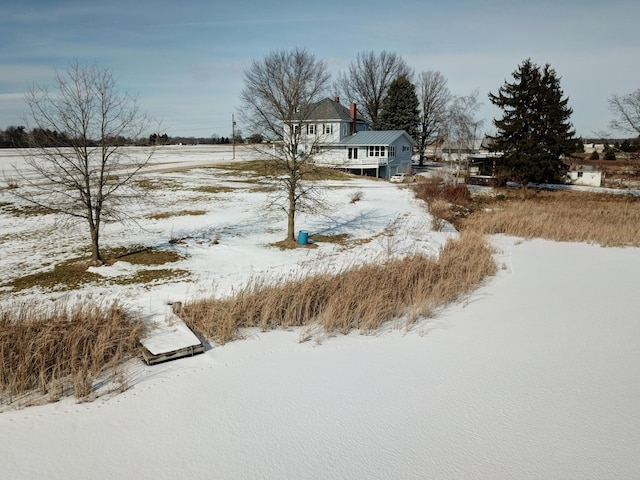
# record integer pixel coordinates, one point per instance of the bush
(594, 156)
(447, 200)
(355, 197)
(449, 191)
(609, 154)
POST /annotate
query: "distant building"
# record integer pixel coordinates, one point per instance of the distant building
(340, 138)
(586, 175)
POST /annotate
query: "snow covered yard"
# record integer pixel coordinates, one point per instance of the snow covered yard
(535, 375)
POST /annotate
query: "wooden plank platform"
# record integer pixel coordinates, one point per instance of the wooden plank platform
(152, 359)
(170, 338)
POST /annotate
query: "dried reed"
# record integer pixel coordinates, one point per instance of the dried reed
(607, 220)
(447, 199)
(59, 349)
(361, 298)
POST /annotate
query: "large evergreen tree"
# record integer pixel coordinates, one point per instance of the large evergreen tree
(534, 132)
(400, 108)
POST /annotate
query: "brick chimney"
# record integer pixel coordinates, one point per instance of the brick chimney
(352, 114)
(336, 99)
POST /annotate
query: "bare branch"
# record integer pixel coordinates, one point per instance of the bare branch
(626, 109)
(368, 78)
(279, 95)
(435, 99)
(79, 166)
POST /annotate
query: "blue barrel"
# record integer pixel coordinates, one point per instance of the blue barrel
(303, 237)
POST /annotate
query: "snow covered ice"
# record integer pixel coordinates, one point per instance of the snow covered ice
(533, 376)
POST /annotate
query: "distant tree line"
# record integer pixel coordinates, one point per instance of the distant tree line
(628, 145)
(19, 137)
(622, 144)
(13, 137)
(155, 139)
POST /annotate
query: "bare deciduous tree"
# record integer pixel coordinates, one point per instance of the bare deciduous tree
(81, 170)
(279, 95)
(435, 99)
(626, 109)
(462, 125)
(368, 78)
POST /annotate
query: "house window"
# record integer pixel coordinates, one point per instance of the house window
(406, 148)
(345, 130)
(376, 151)
(295, 128)
(311, 129)
(580, 174)
(392, 150)
(353, 153)
(327, 128)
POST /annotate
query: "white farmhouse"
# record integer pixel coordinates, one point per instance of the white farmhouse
(338, 137)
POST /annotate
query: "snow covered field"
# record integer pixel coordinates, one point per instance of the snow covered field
(534, 376)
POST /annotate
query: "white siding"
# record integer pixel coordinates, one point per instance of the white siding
(588, 178)
(339, 157)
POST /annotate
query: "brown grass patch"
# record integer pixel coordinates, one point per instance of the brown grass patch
(141, 255)
(338, 238)
(269, 168)
(26, 210)
(607, 220)
(565, 216)
(66, 276)
(156, 276)
(213, 189)
(57, 350)
(73, 273)
(251, 167)
(361, 298)
(158, 184)
(181, 213)
(291, 244)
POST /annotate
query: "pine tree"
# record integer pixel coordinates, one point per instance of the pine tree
(400, 108)
(534, 132)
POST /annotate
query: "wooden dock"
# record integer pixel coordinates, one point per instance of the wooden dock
(152, 359)
(170, 339)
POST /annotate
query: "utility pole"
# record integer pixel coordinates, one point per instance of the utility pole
(233, 134)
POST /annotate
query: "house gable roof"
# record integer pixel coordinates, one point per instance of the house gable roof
(376, 137)
(328, 109)
(584, 168)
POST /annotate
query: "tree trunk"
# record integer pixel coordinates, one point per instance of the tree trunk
(291, 217)
(96, 258)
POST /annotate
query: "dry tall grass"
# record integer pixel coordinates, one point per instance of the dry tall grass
(607, 220)
(446, 199)
(361, 298)
(58, 350)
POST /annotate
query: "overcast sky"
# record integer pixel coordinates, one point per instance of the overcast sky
(185, 59)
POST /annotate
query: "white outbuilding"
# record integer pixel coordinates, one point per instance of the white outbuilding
(586, 175)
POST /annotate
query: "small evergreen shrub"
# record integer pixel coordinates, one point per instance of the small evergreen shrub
(610, 154)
